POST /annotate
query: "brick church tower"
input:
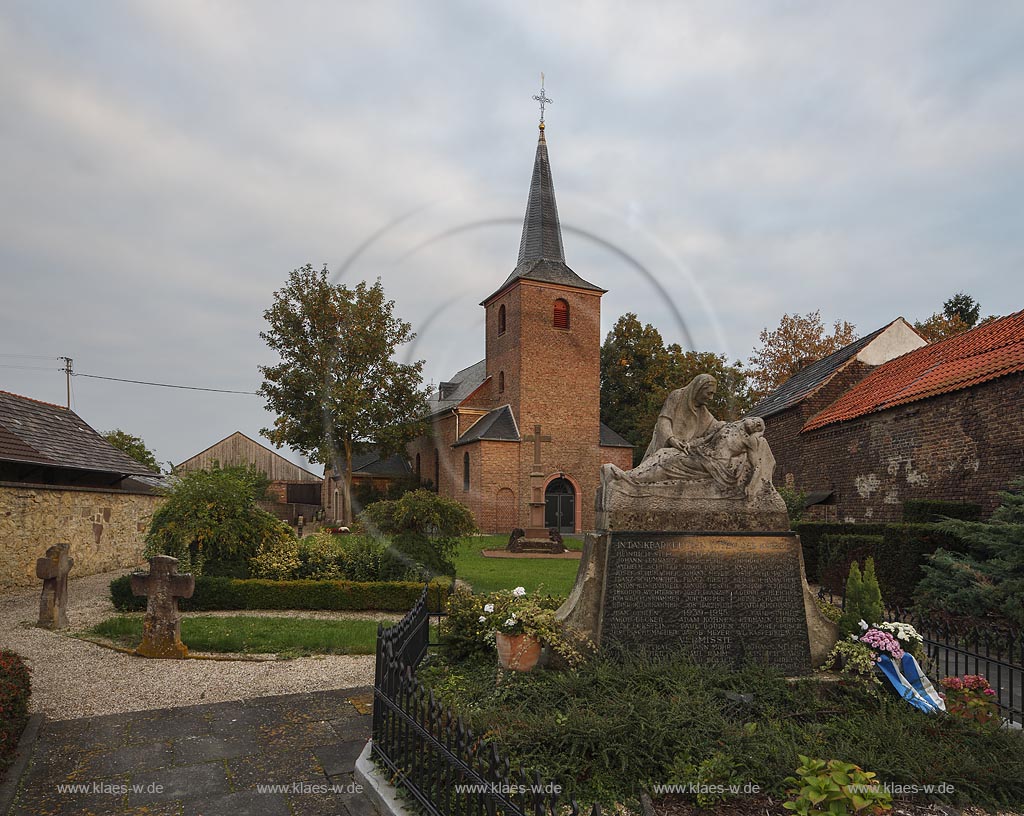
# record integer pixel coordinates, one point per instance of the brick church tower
(518, 436)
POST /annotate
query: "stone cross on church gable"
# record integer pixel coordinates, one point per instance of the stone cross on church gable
(53, 569)
(161, 628)
(536, 439)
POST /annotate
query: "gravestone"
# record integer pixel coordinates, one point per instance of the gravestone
(161, 627)
(696, 553)
(53, 569)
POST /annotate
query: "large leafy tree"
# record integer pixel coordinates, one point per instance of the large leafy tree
(134, 447)
(959, 313)
(798, 341)
(338, 385)
(638, 371)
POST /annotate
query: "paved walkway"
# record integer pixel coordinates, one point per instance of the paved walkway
(205, 760)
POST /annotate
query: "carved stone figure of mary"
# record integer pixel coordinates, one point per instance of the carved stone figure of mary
(685, 415)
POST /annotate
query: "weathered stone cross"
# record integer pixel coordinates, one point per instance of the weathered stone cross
(53, 568)
(536, 439)
(161, 628)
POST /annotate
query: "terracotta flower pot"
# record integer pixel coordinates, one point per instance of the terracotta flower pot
(517, 652)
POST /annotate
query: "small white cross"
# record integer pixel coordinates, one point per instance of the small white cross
(542, 98)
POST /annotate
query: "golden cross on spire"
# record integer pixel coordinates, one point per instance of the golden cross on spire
(543, 99)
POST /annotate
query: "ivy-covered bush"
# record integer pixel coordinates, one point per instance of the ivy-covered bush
(212, 524)
(15, 689)
(217, 593)
(424, 527)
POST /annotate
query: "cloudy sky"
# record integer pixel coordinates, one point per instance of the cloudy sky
(165, 165)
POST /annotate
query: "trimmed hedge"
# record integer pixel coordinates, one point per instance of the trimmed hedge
(899, 551)
(15, 689)
(214, 593)
(923, 511)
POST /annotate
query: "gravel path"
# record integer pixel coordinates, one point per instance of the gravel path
(72, 678)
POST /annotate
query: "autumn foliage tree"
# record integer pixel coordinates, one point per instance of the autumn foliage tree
(959, 313)
(337, 384)
(798, 341)
(638, 371)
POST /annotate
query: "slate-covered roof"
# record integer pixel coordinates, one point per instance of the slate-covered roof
(465, 382)
(810, 378)
(498, 425)
(541, 255)
(610, 439)
(41, 433)
(371, 464)
(991, 350)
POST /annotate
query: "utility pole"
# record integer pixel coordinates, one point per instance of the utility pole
(68, 362)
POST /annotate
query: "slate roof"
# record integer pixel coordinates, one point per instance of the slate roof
(610, 439)
(467, 381)
(991, 350)
(541, 255)
(498, 425)
(809, 379)
(371, 464)
(41, 433)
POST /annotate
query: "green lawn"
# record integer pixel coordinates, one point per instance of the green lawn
(255, 635)
(491, 574)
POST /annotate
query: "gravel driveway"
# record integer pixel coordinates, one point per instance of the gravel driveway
(72, 678)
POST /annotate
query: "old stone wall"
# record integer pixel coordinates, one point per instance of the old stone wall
(105, 528)
(964, 447)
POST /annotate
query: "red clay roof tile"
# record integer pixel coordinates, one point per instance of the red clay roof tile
(984, 353)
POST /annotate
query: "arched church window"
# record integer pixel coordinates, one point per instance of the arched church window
(501, 382)
(465, 472)
(501, 319)
(418, 473)
(561, 319)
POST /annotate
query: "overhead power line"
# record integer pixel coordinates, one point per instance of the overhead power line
(164, 385)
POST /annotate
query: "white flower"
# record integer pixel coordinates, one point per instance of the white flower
(482, 619)
(519, 592)
(510, 623)
(863, 625)
(488, 607)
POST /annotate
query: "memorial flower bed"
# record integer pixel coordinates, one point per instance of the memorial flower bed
(617, 726)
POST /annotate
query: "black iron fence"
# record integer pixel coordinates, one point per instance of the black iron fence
(431, 753)
(996, 656)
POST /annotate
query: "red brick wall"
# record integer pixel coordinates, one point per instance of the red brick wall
(963, 447)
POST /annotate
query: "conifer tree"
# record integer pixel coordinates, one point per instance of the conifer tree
(872, 609)
(849, 623)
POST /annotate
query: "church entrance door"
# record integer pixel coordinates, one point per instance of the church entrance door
(560, 506)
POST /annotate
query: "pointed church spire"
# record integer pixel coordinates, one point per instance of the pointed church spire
(541, 256)
(542, 234)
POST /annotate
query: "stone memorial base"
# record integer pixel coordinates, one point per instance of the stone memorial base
(729, 598)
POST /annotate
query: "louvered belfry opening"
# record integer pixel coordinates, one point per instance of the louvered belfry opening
(561, 315)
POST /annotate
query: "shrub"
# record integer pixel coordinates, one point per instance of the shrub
(971, 698)
(928, 510)
(838, 551)
(327, 557)
(899, 556)
(795, 502)
(863, 599)
(423, 526)
(217, 593)
(835, 788)
(472, 620)
(211, 522)
(15, 689)
(985, 584)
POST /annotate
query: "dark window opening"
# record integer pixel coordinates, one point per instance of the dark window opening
(501, 382)
(501, 319)
(465, 472)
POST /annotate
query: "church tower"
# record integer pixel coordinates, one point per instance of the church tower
(518, 437)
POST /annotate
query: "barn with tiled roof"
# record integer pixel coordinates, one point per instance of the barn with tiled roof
(944, 421)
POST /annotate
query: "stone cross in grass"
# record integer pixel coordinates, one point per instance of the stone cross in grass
(161, 628)
(53, 568)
